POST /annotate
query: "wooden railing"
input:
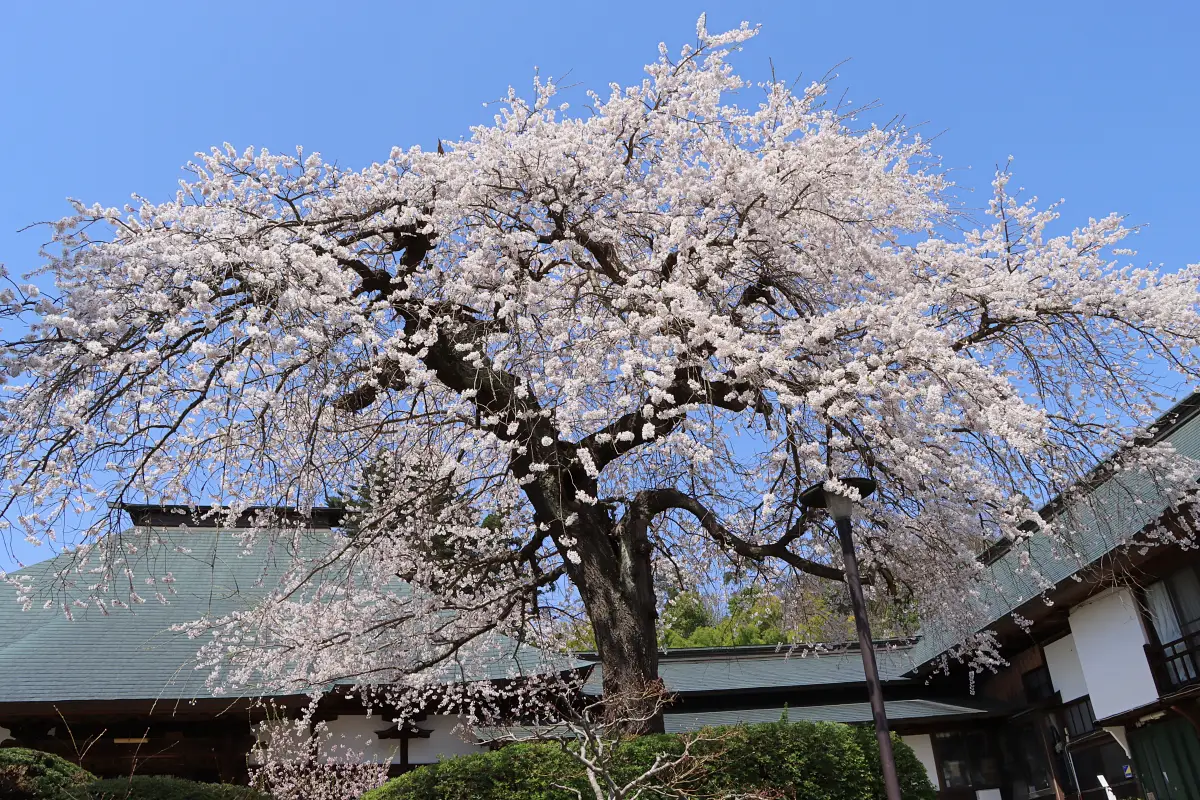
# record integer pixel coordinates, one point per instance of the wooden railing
(1175, 664)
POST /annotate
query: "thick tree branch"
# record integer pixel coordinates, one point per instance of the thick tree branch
(390, 375)
(656, 501)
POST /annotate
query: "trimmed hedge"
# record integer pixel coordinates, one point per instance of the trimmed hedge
(804, 760)
(34, 775)
(161, 787)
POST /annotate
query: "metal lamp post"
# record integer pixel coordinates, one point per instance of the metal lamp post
(841, 508)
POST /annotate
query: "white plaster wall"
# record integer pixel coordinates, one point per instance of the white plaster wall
(1065, 671)
(355, 735)
(1109, 641)
(444, 742)
(922, 747)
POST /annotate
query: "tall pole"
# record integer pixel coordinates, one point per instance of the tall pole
(866, 646)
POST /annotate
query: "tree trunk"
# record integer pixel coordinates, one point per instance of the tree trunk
(616, 583)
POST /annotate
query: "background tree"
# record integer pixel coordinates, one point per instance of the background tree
(753, 617)
(797, 612)
(633, 335)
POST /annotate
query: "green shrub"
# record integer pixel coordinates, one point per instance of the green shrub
(161, 787)
(914, 780)
(34, 775)
(804, 760)
(812, 760)
(515, 772)
(42, 776)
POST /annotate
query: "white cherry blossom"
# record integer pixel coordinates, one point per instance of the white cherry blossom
(579, 354)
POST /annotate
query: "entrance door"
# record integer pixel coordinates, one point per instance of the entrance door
(1167, 757)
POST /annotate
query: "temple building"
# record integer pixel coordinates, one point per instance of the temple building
(1099, 698)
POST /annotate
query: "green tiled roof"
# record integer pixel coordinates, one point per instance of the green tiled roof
(850, 713)
(133, 654)
(1114, 512)
(897, 711)
(733, 669)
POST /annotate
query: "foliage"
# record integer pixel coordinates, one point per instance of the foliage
(805, 611)
(161, 787)
(513, 772)
(36, 775)
(629, 336)
(810, 761)
(754, 617)
(817, 761)
(820, 611)
(616, 767)
(914, 781)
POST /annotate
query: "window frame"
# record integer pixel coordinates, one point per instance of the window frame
(1043, 682)
(1068, 714)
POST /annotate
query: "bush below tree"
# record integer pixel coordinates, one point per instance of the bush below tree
(162, 787)
(804, 760)
(34, 775)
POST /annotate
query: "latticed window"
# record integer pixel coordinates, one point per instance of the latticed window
(1078, 718)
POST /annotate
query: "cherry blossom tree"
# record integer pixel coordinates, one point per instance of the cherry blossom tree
(579, 353)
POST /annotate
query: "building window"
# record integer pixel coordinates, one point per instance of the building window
(969, 760)
(1078, 718)
(1175, 605)
(1038, 686)
(1174, 609)
(1032, 773)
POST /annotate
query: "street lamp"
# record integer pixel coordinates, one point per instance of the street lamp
(841, 508)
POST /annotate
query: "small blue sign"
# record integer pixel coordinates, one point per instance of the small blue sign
(1128, 771)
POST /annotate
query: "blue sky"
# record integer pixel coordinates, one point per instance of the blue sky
(1096, 101)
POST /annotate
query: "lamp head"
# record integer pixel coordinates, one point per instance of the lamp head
(839, 506)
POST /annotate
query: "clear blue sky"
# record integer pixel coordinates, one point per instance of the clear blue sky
(1098, 102)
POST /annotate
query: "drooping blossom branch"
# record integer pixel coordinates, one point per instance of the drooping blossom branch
(571, 357)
